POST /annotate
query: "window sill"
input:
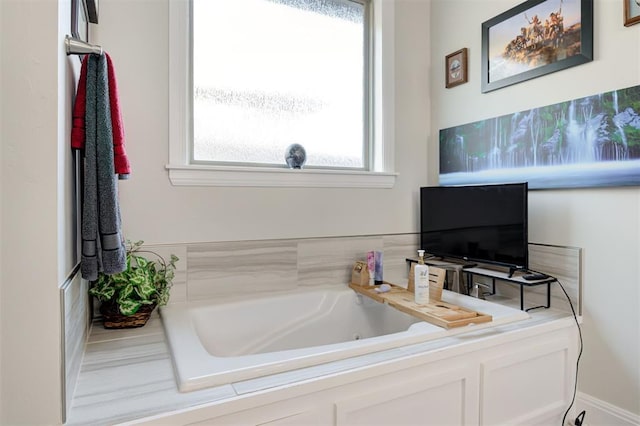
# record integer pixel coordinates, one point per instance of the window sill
(198, 175)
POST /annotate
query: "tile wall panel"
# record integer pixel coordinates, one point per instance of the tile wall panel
(76, 326)
(330, 260)
(229, 269)
(564, 263)
(397, 248)
(240, 267)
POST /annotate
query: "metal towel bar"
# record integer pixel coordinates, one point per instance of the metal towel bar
(79, 47)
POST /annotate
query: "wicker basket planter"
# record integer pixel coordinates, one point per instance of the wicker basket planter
(112, 318)
(129, 297)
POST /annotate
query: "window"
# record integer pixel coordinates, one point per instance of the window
(263, 74)
(269, 73)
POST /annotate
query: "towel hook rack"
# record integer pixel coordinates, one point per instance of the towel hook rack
(79, 47)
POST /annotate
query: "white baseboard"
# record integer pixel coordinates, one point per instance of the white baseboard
(601, 413)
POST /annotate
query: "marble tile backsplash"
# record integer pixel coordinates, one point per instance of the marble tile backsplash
(76, 325)
(221, 270)
(242, 267)
(329, 261)
(229, 269)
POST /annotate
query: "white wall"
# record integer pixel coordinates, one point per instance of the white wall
(36, 245)
(604, 222)
(157, 212)
(1, 203)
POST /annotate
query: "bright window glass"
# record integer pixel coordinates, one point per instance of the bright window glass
(269, 73)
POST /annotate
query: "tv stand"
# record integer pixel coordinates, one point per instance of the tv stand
(495, 274)
(514, 269)
(510, 278)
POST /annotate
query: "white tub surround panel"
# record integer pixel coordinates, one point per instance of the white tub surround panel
(435, 370)
(127, 374)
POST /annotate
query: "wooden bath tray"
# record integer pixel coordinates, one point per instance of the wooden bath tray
(440, 313)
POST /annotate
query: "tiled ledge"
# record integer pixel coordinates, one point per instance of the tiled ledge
(128, 374)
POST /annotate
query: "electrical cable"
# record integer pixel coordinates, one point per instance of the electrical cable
(580, 418)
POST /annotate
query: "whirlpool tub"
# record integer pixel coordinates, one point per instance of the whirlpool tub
(214, 343)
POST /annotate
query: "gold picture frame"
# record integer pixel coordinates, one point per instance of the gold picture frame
(456, 68)
(631, 12)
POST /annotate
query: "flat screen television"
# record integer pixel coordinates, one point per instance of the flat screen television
(476, 223)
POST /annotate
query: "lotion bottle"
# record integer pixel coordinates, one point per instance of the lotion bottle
(371, 266)
(421, 281)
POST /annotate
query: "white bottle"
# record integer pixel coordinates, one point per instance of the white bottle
(421, 281)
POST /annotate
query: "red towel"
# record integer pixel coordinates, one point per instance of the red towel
(120, 160)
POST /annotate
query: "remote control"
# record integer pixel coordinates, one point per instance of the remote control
(532, 276)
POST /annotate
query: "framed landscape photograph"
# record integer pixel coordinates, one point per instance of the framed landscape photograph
(631, 12)
(535, 38)
(584, 142)
(456, 68)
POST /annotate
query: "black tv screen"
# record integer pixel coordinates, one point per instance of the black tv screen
(477, 223)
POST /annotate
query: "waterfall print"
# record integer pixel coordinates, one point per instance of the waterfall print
(588, 142)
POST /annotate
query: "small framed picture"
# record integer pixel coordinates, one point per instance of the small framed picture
(631, 12)
(456, 68)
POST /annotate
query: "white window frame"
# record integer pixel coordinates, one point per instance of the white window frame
(183, 173)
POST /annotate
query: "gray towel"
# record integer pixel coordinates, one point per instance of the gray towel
(103, 247)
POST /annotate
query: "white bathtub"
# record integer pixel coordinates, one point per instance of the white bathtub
(217, 343)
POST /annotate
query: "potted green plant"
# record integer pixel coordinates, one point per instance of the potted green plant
(129, 297)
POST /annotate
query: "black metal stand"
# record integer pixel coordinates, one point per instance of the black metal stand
(494, 275)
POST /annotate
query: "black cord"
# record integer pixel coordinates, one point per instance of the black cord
(580, 417)
(533, 271)
(575, 386)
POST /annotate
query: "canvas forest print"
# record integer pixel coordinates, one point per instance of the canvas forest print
(587, 142)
